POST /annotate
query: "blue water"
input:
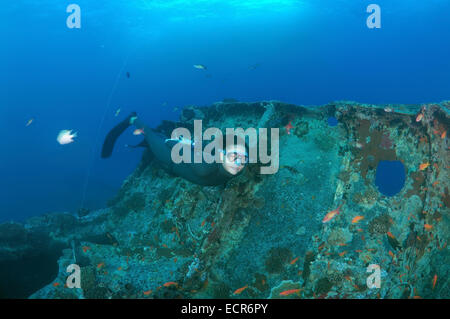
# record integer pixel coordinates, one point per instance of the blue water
(332, 121)
(390, 177)
(302, 52)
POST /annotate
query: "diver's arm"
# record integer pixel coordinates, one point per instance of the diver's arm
(155, 142)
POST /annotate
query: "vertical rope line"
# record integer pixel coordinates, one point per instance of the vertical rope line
(94, 147)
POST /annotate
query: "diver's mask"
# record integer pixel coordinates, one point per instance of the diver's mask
(238, 158)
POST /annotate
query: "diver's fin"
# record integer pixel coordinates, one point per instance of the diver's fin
(114, 134)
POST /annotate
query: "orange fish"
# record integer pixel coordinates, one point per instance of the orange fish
(148, 292)
(86, 248)
(289, 292)
(357, 219)
(288, 128)
(428, 226)
(391, 254)
(343, 253)
(419, 117)
(331, 214)
(170, 283)
(390, 235)
(56, 284)
(203, 223)
(294, 261)
(443, 135)
(424, 166)
(238, 291)
(138, 131)
(434, 280)
(100, 265)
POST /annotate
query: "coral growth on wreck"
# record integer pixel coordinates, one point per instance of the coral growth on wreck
(163, 237)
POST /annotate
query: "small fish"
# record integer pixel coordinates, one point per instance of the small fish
(86, 248)
(419, 117)
(343, 253)
(428, 226)
(390, 235)
(423, 166)
(175, 109)
(329, 216)
(388, 109)
(288, 128)
(146, 293)
(164, 104)
(100, 265)
(203, 223)
(289, 292)
(254, 66)
(443, 135)
(391, 254)
(29, 122)
(200, 66)
(170, 283)
(359, 145)
(56, 284)
(128, 74)
(293, 261)
(238, 291)
(357, 219)
(117, 112)
(138, 131)
(66, 137)
(434, 280)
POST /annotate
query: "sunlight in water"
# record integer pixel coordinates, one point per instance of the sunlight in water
(210, 8)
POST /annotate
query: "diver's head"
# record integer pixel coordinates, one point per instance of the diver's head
(234, 158)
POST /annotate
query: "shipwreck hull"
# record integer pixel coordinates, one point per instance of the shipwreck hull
(164, 237)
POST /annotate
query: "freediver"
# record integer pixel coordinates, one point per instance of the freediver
(233, 158)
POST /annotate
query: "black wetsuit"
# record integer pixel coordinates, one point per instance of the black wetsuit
(199, 173)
